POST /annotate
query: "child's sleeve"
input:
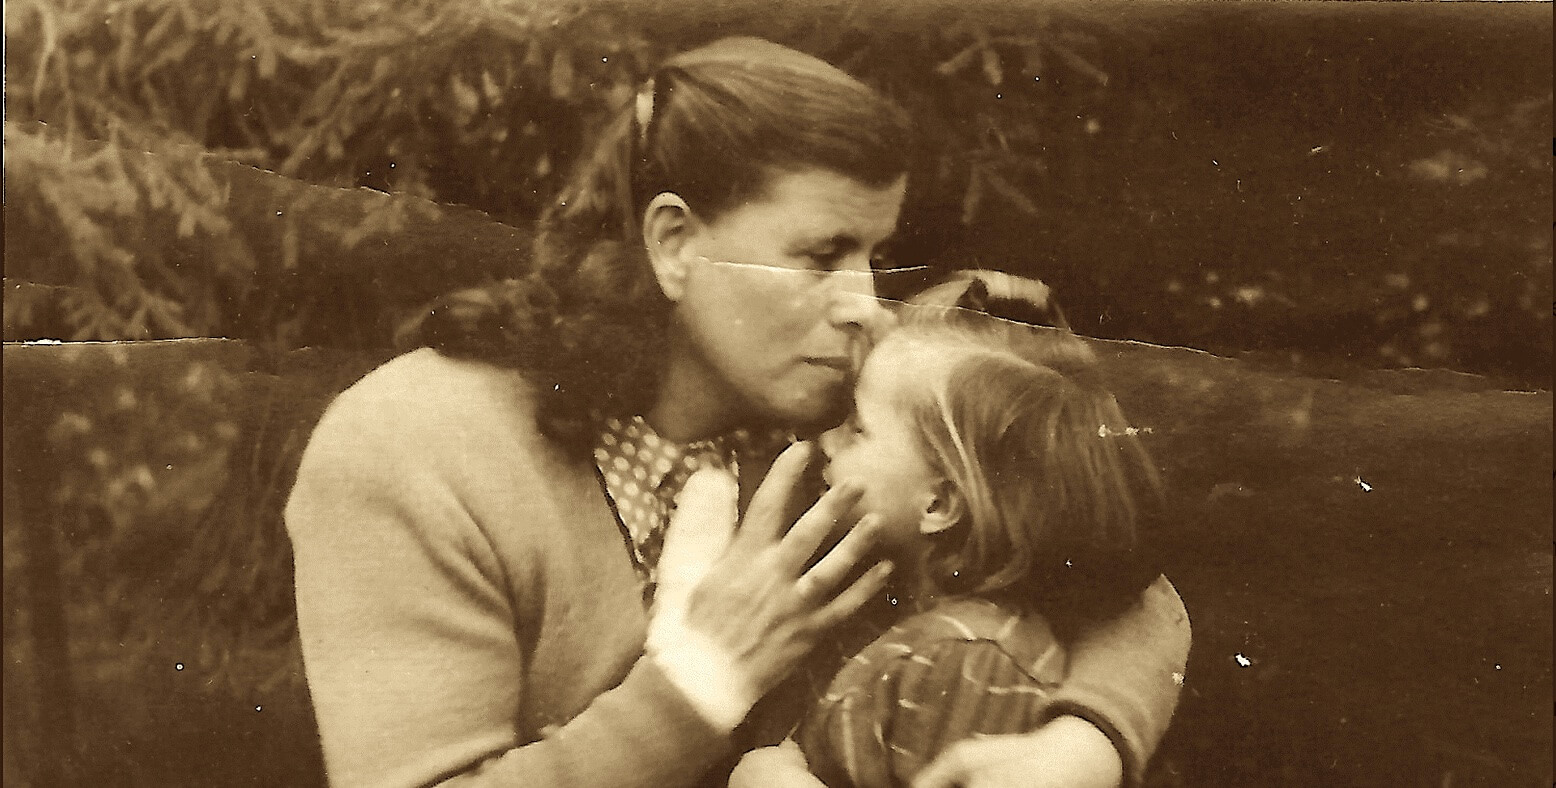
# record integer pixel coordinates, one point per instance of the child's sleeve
(954, 691)
(919, 704)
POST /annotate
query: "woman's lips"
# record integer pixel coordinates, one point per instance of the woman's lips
(839, 363)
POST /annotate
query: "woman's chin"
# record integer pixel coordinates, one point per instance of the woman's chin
(808, 410)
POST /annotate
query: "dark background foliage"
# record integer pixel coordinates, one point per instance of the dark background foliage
(1311, 181)
(1320, 189)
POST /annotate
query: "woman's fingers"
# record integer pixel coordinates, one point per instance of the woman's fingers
(769, 511)
(813, 527)
(829, 572)
(854, 597)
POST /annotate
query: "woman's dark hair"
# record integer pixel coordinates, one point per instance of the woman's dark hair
(714, 125)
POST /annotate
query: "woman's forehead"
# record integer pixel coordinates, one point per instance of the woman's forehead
(820, 204)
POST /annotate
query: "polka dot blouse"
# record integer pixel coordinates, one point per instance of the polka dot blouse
(643, 472)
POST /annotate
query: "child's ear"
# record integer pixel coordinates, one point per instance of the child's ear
(945, 508)
(667, 222)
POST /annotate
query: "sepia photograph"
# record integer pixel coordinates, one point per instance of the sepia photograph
(627, 393)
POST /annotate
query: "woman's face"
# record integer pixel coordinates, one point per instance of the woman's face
(777, 295)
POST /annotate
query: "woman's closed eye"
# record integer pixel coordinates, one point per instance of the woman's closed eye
(826, 261)
(837, 260)
(836, 253)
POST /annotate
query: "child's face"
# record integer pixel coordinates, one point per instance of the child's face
(876, 449)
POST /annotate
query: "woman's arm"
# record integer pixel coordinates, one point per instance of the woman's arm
(1126, 674)
(411, 643)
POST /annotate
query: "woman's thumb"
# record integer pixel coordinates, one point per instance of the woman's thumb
(700, 529)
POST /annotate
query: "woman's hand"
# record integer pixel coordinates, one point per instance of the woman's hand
(756, 611)
(1068, 752)
(759, 602)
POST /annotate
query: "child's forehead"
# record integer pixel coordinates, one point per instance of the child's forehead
(919, 343)
(910, 358)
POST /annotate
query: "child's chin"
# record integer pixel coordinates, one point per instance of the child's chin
(904, 553)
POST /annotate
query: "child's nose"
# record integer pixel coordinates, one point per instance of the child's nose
(830, 442)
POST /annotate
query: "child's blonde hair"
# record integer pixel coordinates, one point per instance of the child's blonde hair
(1057, 485)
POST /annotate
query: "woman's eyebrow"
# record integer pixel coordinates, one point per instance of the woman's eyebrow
(837, 242)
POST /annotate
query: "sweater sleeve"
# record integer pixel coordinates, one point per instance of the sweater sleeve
(411, 642)
(1125, 675)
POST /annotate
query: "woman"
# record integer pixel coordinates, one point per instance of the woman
(476, 530)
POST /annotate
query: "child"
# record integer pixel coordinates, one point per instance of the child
(1013, 496)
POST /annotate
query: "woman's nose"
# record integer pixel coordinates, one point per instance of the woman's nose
(854, 302)
(857, 278)
(863, 321)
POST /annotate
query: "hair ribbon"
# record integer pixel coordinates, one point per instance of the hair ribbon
(643, 111)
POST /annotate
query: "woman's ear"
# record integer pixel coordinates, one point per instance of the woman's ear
(667, 222)
(944, 509)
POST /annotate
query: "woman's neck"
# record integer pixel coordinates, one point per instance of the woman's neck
(693, 402)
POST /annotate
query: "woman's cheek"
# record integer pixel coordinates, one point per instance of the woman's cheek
(789, 299)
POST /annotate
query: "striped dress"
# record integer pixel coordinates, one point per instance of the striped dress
(966, 667)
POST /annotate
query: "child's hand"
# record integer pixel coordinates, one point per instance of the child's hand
(1068, 751)
(779, 766)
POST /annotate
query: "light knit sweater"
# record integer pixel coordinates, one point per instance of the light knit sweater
(469, 612)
